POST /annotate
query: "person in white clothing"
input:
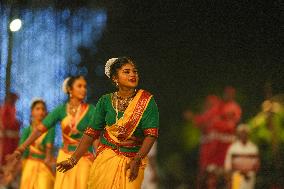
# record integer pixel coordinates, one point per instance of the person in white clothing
(242, 161)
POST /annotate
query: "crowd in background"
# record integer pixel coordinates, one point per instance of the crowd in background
(237, 155)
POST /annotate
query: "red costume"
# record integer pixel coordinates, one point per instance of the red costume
(9, 127)
(218, 125)
(223, 130)
(204, 122)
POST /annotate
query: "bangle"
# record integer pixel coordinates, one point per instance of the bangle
(72, 161)
(138, 157)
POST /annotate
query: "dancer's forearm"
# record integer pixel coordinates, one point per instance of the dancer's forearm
(36, 133)
(146, 147)
(83, 146)
(136, 161)
(48, 152)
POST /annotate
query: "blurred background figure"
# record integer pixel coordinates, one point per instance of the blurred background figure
(205, 121)
(9, 127)
(242, 161)
(217, 124)
(231, 109)
(267, 131)
(151, 178)
(224, 125)
(35, 169)
(38, 161)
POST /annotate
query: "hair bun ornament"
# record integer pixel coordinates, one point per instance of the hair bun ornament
(64, 85)
(37, 99)
(109, 63)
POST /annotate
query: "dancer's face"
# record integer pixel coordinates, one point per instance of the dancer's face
(38, 112)
(79, 89)
(127, 76)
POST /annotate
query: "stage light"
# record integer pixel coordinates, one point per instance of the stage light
(15, 25)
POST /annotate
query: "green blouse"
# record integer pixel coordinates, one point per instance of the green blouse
(48, 139)
(58, 115)
(105, 114)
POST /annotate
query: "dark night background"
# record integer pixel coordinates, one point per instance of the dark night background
(189, 49)
(186, 50)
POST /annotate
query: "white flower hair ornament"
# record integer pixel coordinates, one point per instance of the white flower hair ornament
(109, 63)
(64, 85)
(37, 99)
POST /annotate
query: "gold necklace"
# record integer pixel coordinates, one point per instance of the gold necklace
(74, 118)
(73, 109)
(122, 103)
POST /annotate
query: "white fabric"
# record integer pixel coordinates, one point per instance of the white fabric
(238, 148)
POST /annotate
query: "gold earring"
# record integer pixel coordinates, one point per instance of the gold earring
(116, 83)
(70, 95)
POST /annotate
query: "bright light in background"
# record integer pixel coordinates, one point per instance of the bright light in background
(15, 25)
(40, 71)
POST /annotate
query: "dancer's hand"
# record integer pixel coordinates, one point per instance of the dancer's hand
(8, 172)
(134, 169)
(66, 165)
(15, 156)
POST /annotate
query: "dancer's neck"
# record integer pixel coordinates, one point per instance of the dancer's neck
(75, 102)
(126, 92)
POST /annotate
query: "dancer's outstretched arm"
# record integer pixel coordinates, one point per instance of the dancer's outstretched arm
(82, 148)
(36, 133)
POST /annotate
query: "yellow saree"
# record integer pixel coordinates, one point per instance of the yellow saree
(73, 128)
(78, 176)
(36, 174)
(115, 152)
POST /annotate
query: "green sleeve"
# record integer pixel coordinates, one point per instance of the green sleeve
(92, 109)
(49, 138)
(98, 119)
(25, 134)
(150, 117)
(53, 117)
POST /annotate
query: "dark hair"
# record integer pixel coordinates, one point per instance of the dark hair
(72, 80)
(118, 63)
(38, 102)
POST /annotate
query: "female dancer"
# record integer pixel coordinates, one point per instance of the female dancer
(37, 172)
(127, 123)
(74, 116)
